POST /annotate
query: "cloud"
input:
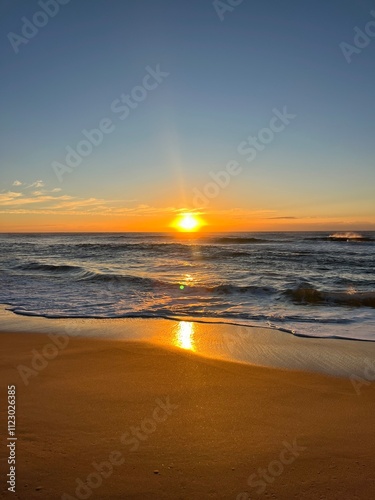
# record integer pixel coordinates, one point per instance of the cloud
(51, 201)
(17, 183)
(10, 196)
(282, 218)
(36, 184)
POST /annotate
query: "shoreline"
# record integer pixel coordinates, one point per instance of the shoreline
(194, 319)
(242, 344)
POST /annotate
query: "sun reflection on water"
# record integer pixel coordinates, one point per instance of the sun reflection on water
(184, 335)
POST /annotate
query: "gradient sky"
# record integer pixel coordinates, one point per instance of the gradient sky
(225, 78)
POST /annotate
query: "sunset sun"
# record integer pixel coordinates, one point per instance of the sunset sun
(188, 223)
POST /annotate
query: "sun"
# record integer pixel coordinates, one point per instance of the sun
(188, 223)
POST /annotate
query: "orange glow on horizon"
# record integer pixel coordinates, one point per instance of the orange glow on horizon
(166, 222)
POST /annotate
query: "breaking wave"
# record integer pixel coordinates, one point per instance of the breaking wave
(349, 236)
(307, 295)
(40, 266)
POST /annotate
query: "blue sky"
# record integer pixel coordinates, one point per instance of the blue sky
(225, 78)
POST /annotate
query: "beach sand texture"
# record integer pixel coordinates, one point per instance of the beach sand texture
(177, 425)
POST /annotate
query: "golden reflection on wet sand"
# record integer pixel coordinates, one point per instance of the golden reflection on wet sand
(184, 335)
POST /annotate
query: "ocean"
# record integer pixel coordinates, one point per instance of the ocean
(306, 283)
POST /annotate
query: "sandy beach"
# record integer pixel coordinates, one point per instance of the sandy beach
(130, 419)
